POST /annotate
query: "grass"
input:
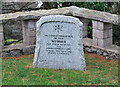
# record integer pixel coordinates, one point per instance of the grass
(0, 71)
(19, 71)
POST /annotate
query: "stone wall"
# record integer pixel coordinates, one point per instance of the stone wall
(102, 52)
(11, 7)
(102, 34)
(102, 27)
(89, 49)
(29, 32)
(13, 27)
(19, 51)
(1, 36)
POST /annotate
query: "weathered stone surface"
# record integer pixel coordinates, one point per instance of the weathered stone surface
(96, 15)
(102, 35)
(95, 41)
(29, 32)
(94, 50)
(59, 43)
(1, 35)
(118, 56)
(10, 7)
(13, 29)
(100, 25)
(1, 26)
(11, 53)
(108, 26)
(75, 11)
(29, 50)
(0, 7)
(89, 50)
(32, 33)
(113, 56)
(15, 53)
(5, 54)
(99, 52)
(18, 50)
(32, 40)
(66, 11)
(102, 30)
(35, 14)
(1, 45)
(105, 54)
(85, 26)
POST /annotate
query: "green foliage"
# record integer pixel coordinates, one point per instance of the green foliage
(20, 72)
(100, 6)
(116, 34)
(49, 5)
(10, 41)
(89, 33)
(89, 30)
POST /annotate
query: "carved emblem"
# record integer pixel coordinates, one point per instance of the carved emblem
(58, 28)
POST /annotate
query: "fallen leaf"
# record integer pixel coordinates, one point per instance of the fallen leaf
(28, 66)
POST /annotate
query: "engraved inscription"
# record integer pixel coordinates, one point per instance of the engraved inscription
(59, 44)
(58, 28)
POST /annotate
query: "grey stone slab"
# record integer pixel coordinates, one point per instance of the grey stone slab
(31, 24)
(95, 41)
(59, 43)
(32, 40)
(28, 50)
(1, 37)
(1, 45)
(72, 10)
(1, 27)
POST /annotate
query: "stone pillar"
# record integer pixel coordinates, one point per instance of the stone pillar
(85, 26)
(0, 7)
(29, 32)
(102, 34)
(1, 36)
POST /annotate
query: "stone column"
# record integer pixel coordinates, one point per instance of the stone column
(102, 34)
(29, 32)
(85, 26)
(0, 7)
(1, 29)
(1, 36)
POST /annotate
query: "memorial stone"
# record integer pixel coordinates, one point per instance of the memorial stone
(59, 43)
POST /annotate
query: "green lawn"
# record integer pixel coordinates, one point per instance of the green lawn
(19, 71)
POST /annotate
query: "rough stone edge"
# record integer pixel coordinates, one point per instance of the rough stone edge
(95, 15)
(101, 52)
(18, 52)
(58, 18)
(72, 10)
(88, 49)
